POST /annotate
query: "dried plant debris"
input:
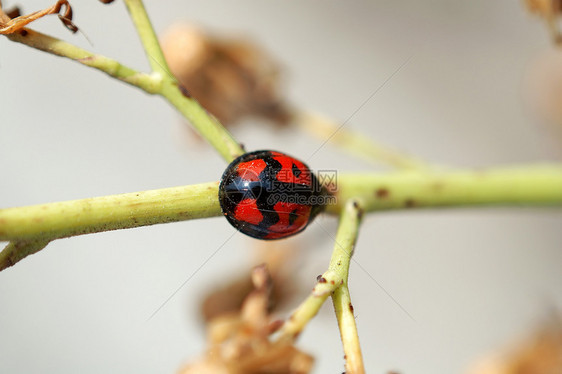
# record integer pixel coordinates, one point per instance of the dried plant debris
(239, 342)
(62, 8)
(229, 296)
(550, 11)
(542, 94)
(539, 354)
(232, 79)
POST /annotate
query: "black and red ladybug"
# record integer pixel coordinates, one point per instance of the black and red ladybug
(269, 195)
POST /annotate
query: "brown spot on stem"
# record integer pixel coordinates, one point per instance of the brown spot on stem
(410, 203)
(321, 279)
(358, 208)
(184, 91)
(332, 282)
(382, 193)
(23, 32)
(350, 307)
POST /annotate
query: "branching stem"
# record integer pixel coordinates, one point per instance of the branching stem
(147, 36)
(539, 185)
(334, 282)
(113, 68)
(356, 143)
(160, 81)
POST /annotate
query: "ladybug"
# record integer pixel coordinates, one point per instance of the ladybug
(269, 195)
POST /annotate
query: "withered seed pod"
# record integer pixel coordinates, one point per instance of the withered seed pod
(232, 79)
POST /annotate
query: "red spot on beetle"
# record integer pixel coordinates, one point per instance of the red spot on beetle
(247, 211)
(250, 170)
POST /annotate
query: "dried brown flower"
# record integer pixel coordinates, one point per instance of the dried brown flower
(543, 91)
(229, 295)
(540, 354)
(232, 79)
(239, 342)
(550, 11)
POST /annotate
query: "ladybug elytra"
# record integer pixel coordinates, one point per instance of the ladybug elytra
(269, 195)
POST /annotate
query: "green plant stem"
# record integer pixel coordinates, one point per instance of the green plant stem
(147, 36)
(334, 282)
(149, 83)
(539, 185)
(332, 279)
(77, 217)
(536, 185)
(346, 239)
(159, 82)
(206, 124)
(16, 251)
(348, 331)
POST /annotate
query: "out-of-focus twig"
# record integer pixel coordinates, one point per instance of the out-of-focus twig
(355, 143)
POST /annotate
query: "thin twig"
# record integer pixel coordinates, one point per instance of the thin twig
(18, 250)
(327, 283)
(159, 82)
(346, 239)
(149, 83)
(147, 36)
(356, 143)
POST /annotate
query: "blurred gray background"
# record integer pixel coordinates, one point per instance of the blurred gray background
(473, 280)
